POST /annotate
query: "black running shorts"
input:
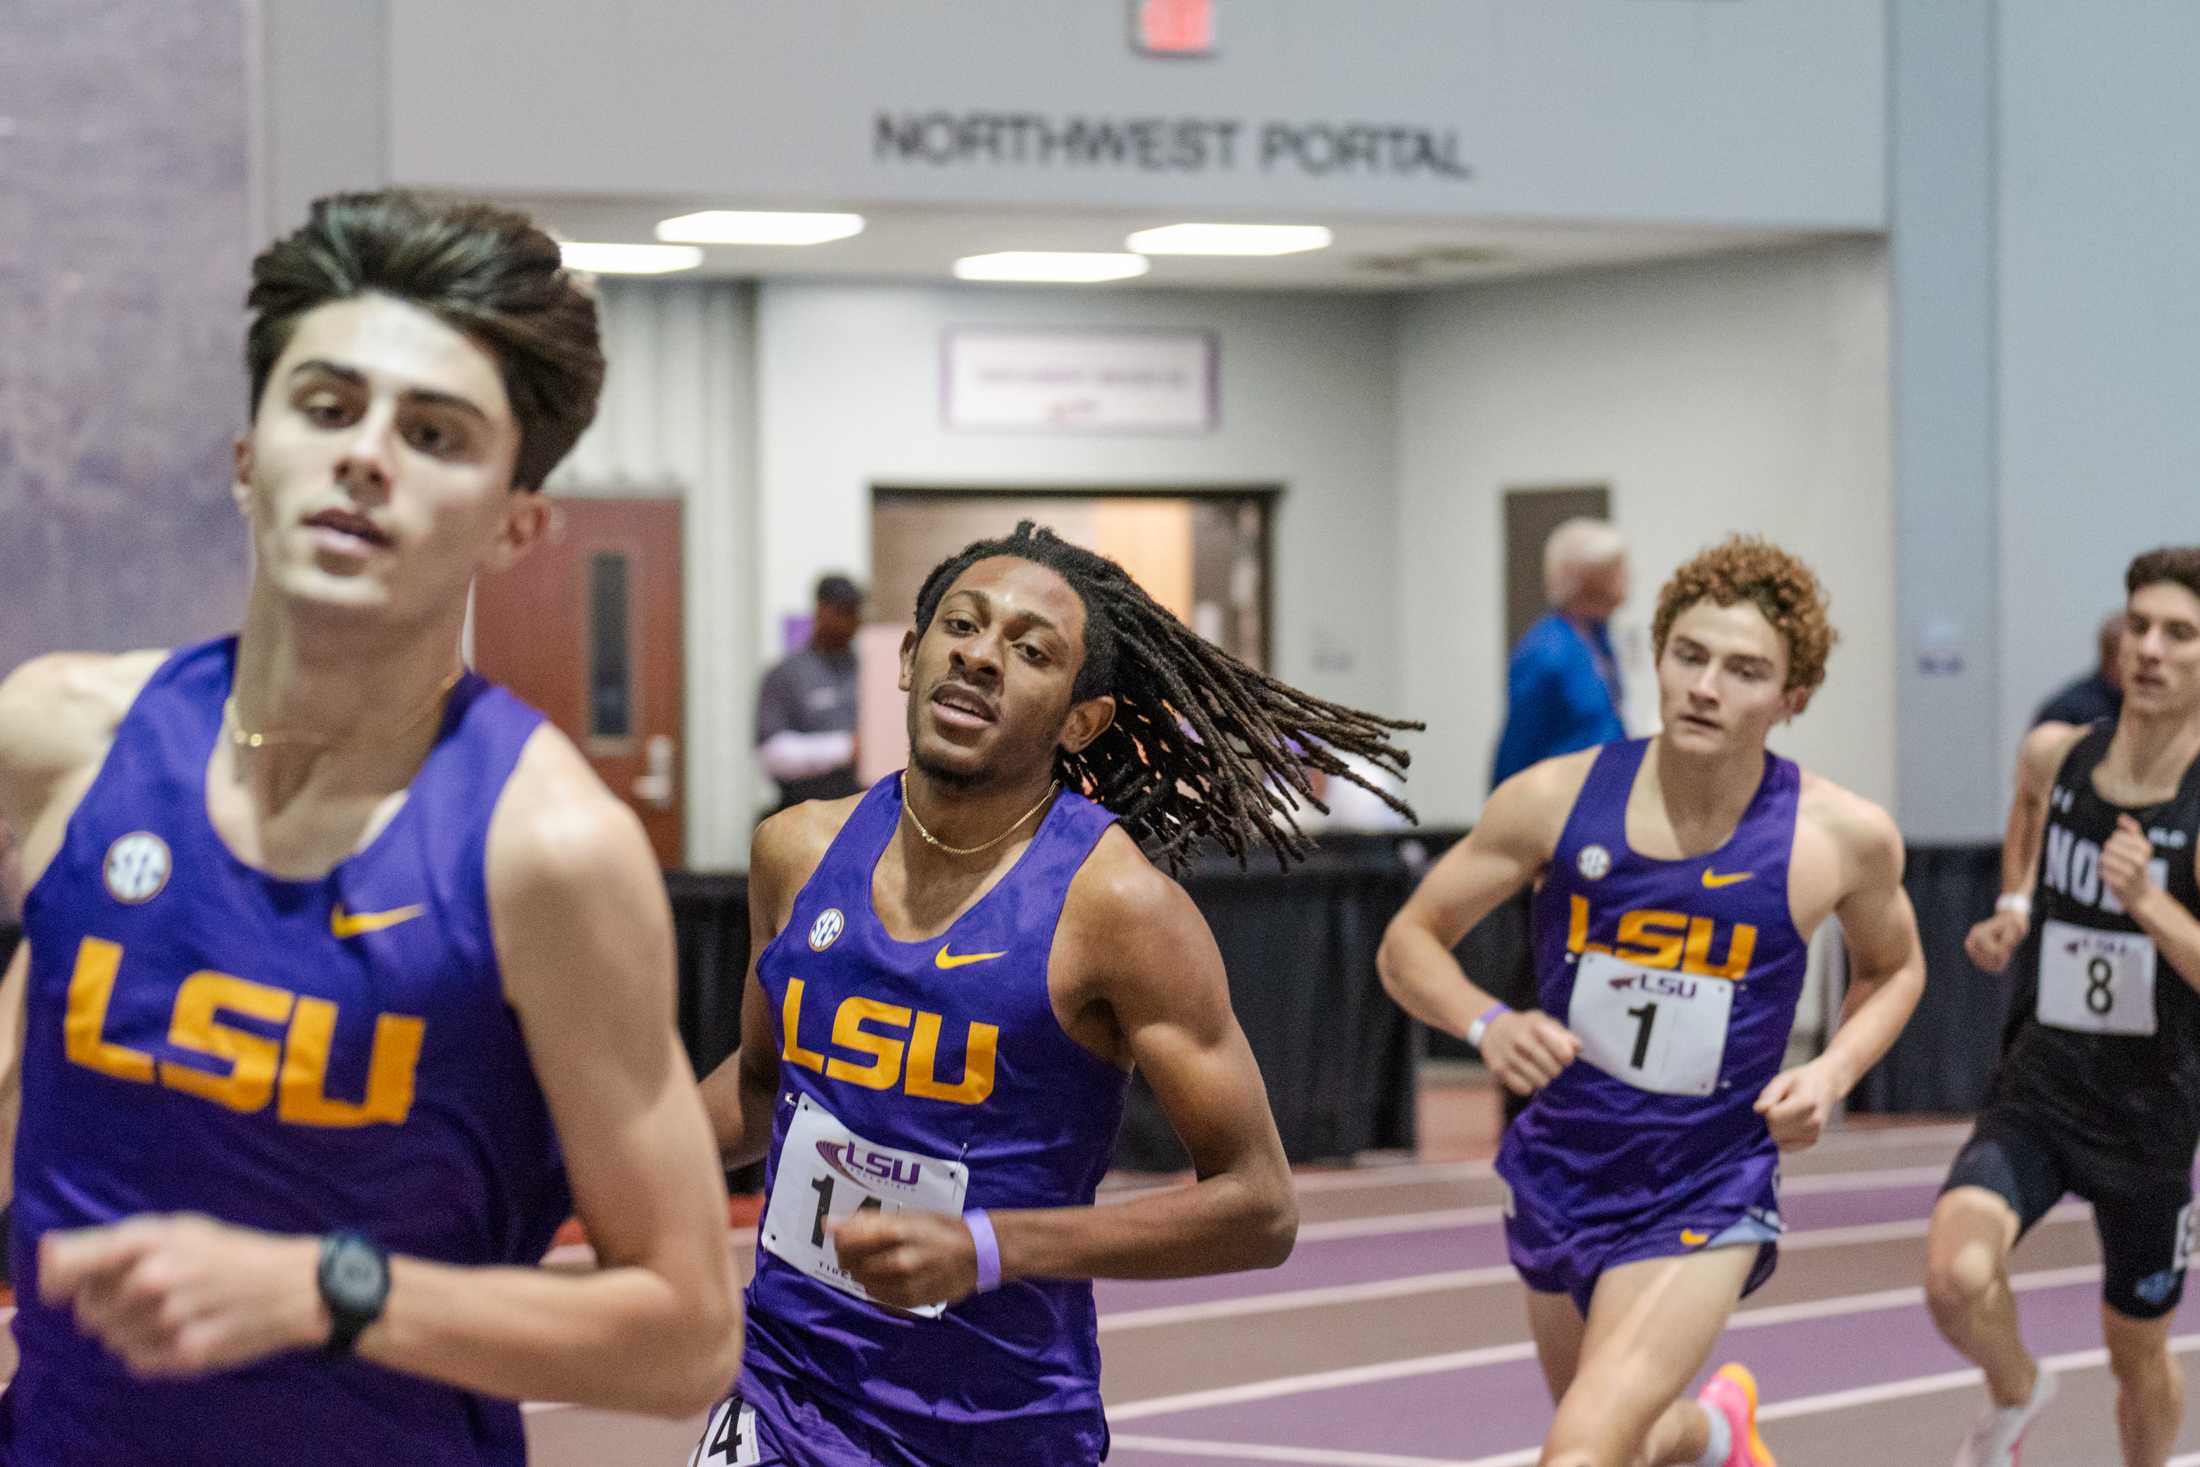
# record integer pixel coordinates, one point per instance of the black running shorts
(2145, 1224)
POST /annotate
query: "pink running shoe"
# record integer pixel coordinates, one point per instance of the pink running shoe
(1732, 1392)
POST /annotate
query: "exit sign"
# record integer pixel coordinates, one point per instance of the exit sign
(1173, 27)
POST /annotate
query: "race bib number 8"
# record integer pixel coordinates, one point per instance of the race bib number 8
(1659, 1031)
(826, 1171)
(2096, 982)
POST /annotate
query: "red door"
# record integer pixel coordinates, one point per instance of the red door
(587, 628)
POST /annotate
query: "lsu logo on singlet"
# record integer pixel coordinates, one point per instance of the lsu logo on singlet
(1672, 940)
(911, 1063)
(291, 1071)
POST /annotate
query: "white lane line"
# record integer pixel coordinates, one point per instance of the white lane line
(1408, 1173)
(1421, 1173)
(1285, 1300)
(1505, 1354)
(1254, 1452)
(1433, 1220)
(1895, 1390)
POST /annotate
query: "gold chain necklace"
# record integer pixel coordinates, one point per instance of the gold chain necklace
(245, 738)
(939, 845)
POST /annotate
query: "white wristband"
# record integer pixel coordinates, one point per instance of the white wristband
(2014, 901)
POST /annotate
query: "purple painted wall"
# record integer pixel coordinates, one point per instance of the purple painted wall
(124, 245)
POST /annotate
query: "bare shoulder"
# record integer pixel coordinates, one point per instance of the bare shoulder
(2040, 757)
(788, 847)
(557, 828)
(59, 712)
(1862, 836)
(1529, 811)
(1123, 906)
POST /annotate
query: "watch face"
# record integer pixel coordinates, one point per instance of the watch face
(356, 1275)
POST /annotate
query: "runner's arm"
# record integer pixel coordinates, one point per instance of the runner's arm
(1993, 940)
(1886, 960)
(740, 1093)
(2124, 870)
(1507, 849)
(2039, 758)
(1171, 998)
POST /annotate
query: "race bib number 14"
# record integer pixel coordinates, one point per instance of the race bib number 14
(826, 1172)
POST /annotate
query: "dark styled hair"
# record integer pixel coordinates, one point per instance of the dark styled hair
(486, 272)
(2179, 563)
(1201, 742)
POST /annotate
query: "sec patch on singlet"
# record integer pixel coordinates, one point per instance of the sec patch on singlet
(137, 868)
(1594, 862)
(826, 930)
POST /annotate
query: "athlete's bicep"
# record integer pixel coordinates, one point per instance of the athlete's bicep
(584, 937)
(1171, 997)
(1878, 924)
(1505, 851)
(738, 1093)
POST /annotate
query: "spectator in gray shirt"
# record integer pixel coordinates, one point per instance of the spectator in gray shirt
(806, 709)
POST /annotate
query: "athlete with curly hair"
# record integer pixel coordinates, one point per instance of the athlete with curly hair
(1679, 879)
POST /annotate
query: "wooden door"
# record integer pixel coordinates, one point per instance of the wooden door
(587, 628)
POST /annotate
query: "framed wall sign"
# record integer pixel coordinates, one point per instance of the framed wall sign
(1000, 379)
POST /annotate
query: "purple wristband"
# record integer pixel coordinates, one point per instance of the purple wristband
(1482, 1022)
(989, 1248)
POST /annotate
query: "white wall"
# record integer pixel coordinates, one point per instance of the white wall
(850, 398)
(1742, 393)
(2099, 397)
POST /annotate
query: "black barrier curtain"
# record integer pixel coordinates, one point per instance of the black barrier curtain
(1947, 1053)
(1337, 1056)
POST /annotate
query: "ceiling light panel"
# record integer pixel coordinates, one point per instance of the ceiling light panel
(758, 227)
(1230, 239)
(629, 259)
(1057, 267)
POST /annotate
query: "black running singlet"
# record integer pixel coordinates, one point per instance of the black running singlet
(2105, 1044)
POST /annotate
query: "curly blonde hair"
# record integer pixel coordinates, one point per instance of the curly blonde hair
(1745, 568)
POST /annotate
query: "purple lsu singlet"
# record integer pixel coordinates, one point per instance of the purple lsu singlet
(931, 1070)
(1681, 979)
(297, 1056)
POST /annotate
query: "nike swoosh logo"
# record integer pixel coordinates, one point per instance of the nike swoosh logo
(944, 959)
(358, 924)
(1713, 880)
(1693, 1238)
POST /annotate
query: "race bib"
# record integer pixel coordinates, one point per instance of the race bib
(827, 1171)
(1659, 1031)
(2096, 982)
(729, 1438)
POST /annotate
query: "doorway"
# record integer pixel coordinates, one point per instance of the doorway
(587, 628)
(1203, 553)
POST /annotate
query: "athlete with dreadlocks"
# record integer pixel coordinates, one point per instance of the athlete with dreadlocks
(1680, 878)
(953, 977)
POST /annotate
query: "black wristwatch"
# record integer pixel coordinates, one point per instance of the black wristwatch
(355, 1284)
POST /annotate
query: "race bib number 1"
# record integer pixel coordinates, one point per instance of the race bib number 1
(1659, 1031)
(826, 1172)
(2096, 982)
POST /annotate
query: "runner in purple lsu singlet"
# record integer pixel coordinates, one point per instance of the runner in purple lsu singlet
(297, 1056)
(935, 1073)
(1681, 979)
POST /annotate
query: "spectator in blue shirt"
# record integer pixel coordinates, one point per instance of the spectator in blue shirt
(1562, 694)
(1563, 690)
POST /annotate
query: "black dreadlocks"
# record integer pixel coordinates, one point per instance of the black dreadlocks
(1201, 742)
